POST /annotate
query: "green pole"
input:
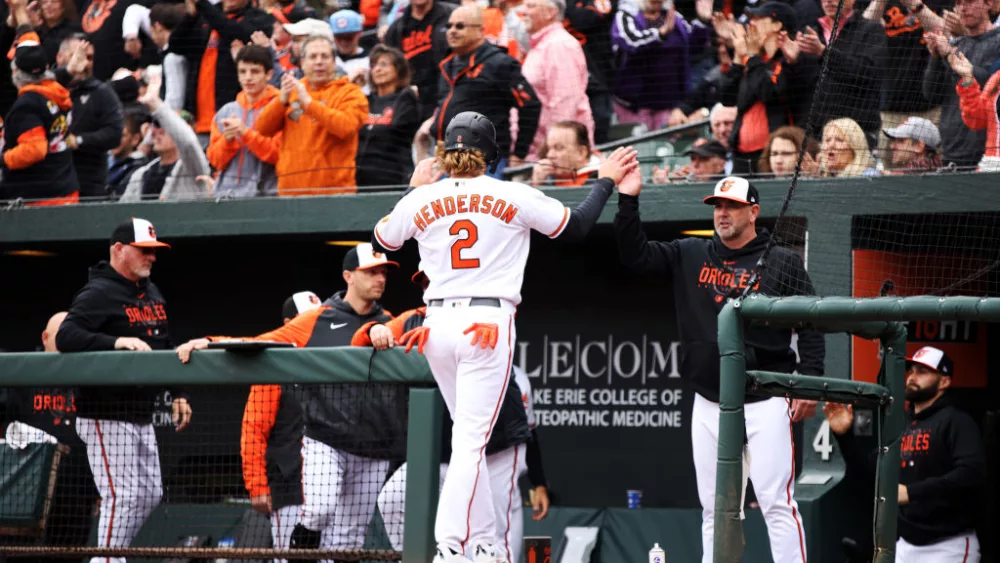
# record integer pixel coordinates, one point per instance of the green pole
(891, 420)
(423, 472)
(728, 541)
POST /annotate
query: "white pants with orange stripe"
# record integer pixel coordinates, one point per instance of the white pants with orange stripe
(957, 549)
(283, 522)
(340, 491)
(770, 455)
(126, 466)
(472, 381)
(505, 469)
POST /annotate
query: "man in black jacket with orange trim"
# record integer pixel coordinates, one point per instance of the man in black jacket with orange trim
(943, 466)
(353, 432)
(481, 77)
(35, 163)
(420, 34)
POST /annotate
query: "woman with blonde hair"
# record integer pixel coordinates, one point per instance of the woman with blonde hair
(844, 150)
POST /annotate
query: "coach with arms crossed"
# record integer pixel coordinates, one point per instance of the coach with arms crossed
(121, 309)
(706, 275)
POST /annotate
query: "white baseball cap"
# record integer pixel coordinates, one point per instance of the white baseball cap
(933, 358)
(300, 303)
(309, 26)
(363, 257)
(735, 189)
(137, 232)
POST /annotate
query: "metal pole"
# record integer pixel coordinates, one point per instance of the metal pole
(423, 472)
(887, 488)
(728, 541)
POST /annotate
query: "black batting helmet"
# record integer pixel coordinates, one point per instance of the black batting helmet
(471, 130)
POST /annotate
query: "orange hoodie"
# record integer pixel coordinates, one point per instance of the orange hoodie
(221, 151)
(319, 144)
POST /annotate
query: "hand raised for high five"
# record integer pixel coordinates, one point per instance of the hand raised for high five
(618, 164)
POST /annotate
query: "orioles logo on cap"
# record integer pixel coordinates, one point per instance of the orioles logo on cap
(726, 185)
(920, 353)
(152, 232)
(459, 139)
(314, 300)
(377, 255)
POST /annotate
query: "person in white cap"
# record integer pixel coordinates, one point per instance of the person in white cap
(353, 432)
(943, 467)
(121, 309)
(706, 274)
(913, 147)
(299, 32)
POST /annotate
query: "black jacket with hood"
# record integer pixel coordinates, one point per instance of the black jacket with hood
(490, 82)
(943, 469)
(424, 43)
(706, 274)
(109, 307)
(365, 419)
(98, 119)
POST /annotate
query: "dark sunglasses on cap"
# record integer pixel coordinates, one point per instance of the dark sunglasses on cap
(462, 25)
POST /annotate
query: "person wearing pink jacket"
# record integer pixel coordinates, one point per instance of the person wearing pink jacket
(557, 69)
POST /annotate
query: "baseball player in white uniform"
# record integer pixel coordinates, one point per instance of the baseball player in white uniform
(473, 234)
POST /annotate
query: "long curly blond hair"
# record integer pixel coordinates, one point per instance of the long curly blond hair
(460, 163)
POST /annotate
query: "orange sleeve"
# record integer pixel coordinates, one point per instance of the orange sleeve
(264, 148)
(346, 118)
(975, 104)
(297, 331)
(271, 119)
(32, 146)
(220, 151)
(396, 325)
(258, 420)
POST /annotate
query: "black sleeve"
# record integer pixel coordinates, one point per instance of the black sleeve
(80, 331)
(634, 249)
(231, 29)
(405, 116)
(187, 39)
(584, 216)
(860, 453)
(533, 458)
(962, 446)
(729, 88)
(63, 77)
(111, 117)
(529, 110)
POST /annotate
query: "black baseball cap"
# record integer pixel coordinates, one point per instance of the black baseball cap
(363, 257)
(29, 56)
(137, 232)
(708, 150)
(777, 11)
(933, 358)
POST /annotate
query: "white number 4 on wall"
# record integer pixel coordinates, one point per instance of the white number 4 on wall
(821, 443)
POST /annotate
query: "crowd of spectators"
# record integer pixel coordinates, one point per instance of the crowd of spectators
(108, 100)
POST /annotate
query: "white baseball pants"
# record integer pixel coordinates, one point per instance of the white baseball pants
(472, 381)
(958, 549)
(505, 469)
(283, 521)
(340, 491)
(125, 462)
(769, 442)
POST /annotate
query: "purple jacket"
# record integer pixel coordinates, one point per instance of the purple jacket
(653, 73)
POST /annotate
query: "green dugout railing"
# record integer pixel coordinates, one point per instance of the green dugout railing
(278, 366)
(879, 318)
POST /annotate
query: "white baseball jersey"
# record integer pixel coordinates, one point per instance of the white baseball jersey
(473, 234)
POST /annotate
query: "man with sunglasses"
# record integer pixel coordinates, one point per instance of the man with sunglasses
(483, 78)
(98, 119)
(180, 169)
(121, 309)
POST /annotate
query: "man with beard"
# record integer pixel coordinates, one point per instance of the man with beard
(943, 467)
(706, 274)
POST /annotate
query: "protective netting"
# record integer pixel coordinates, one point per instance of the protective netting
(98, 471)
(155, 107)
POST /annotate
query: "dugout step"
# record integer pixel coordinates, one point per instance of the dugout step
(815, 388)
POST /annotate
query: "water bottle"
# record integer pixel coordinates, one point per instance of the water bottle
(656, 555)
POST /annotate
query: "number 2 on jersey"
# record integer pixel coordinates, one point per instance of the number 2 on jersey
(471, 236)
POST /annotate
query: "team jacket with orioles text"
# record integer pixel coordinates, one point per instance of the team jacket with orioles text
(705, 275)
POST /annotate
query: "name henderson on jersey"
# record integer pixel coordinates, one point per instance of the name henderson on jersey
(449, 205)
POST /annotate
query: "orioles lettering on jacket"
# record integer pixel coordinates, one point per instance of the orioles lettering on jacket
(417, 42)
(464, 203)
(147, 314)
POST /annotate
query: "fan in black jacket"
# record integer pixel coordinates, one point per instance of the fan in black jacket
(943, 466)
(385, 140)
(121, 309)
(420, 34)
(705, 275)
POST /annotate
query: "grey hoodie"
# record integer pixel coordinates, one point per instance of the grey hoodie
(181, 184)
